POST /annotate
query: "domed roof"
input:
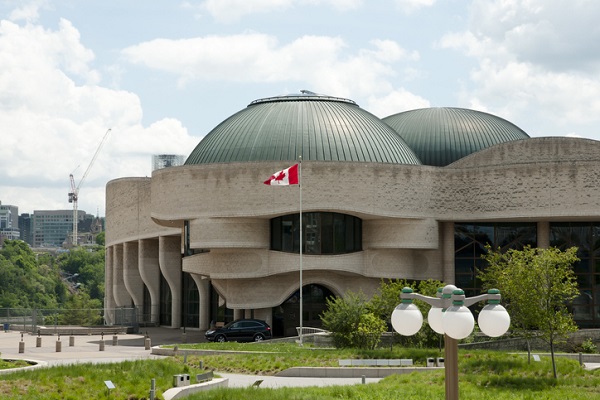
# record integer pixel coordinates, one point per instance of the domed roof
(440, 136)
(316, 127)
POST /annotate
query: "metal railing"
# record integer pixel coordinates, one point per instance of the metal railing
(31, 320)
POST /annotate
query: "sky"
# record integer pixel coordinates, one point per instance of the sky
(162, 74)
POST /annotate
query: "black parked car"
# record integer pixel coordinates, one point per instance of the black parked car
(241, 330)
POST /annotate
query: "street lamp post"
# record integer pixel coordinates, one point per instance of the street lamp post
(450, 316)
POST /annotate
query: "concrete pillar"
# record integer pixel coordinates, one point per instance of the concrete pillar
(238, 313)
(169, 259)
(248, 313)
(150, 273)
(131, 275)
(543, 234)
(109, 298)
(203, 293)
(120, 293)
(266, 314)
(447, 243)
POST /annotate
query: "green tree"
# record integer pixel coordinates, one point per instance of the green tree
(81, 310)
(343, 318)
(536, 286)
(88, 264)
(25, 283)
(100, 238)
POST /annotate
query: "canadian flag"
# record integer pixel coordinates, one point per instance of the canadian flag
(288, 176)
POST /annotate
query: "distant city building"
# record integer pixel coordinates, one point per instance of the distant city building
(9, 222)
(161, 161)
(26, 228)
(52, 228)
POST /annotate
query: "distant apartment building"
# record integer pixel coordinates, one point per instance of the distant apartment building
(9, 222)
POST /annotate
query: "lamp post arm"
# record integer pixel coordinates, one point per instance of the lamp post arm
(469, 301)
(432, 301)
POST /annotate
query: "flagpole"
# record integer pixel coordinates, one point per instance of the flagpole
(301, 245)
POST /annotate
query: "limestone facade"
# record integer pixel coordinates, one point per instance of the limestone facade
(222, 213)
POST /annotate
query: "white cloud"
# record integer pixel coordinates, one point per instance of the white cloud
(321, 62)
(534, 61)
(53, 114)
(397, 101)
(28, 12)
(229, 11)
(409, 6)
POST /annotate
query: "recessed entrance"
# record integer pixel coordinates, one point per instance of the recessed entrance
(286, 317)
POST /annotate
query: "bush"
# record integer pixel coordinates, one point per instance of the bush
(589, 347)
(350, 322)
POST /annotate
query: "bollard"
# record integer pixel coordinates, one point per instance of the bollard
(184, 337)
(152, 388)
(101, 345)
(71, 341)
(58, 345)
(581, 359)
(147, 344)
(38, 342)
(364, 379)
(115, 340)
(21, 347)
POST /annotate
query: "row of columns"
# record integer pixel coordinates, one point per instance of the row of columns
(131, 265)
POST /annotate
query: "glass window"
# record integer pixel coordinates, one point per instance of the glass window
(471, 239)
(586, 237)
(324, 233)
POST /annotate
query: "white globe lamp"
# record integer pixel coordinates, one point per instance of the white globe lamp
(434, 318)
(493, 320)
(458, 321)
(407, 319)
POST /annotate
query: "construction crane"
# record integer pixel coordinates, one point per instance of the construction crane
(74, 193)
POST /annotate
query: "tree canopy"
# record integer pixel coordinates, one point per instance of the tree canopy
(71, 280)
(536, 285)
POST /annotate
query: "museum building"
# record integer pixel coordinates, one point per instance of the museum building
(416, 195)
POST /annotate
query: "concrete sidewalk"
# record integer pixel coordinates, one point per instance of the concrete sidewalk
(86, 349)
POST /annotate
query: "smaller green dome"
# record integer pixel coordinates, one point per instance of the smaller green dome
(316, 127)
(440, 136)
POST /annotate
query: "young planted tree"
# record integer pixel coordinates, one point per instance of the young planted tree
(536, 286)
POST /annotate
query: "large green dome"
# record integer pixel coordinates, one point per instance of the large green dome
(316, 127)
(440, 136)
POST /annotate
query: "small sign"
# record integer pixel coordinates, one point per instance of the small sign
(109, 385)
(536, 357)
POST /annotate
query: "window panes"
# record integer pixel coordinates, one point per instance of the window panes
(469, 245)
(324, 233)
(586, 237)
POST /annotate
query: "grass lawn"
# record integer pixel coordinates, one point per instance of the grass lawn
(483, 375)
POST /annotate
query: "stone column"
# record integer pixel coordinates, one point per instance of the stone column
(266, 314)
(447, 243)
(131, 275)
(169, 259)
(122, 297)
(150, 273)
(204, 297)
(238, 313)
(109, 299)
(543, 234)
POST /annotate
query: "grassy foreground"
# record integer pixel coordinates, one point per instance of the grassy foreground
(483, 375)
